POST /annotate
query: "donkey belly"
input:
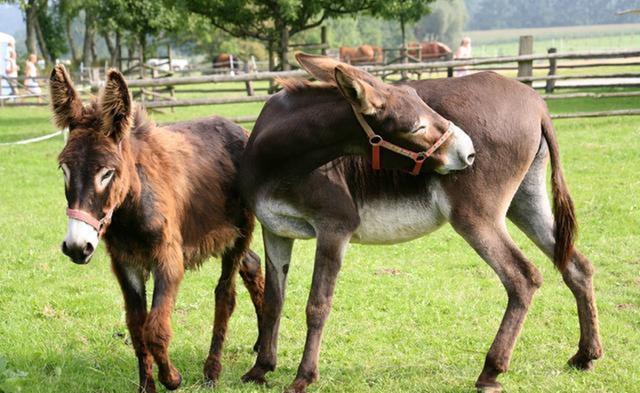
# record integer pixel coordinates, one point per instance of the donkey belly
(398, 220)
(283, 218)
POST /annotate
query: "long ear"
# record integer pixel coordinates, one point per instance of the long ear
(366, 98)
(116, 106)
(65, 102)
(320, 67)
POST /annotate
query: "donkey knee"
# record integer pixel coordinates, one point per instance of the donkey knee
(157, 332)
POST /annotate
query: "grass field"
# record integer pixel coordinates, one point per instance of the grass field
(504, 42)
(414, 317)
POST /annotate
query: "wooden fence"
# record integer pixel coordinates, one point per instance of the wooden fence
(152, 91)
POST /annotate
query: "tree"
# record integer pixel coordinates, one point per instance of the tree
(274, 22)
(405, 11)
(445, 22)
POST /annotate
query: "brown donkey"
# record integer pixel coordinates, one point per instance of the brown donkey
(297, 197)
(164, 200)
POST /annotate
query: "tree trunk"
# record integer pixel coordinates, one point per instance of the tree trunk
(110, 47)
(42, 44)
(72, 44)
(284, 48)
(31, 17)
(118, 50)
(89, 37)
(403, 52)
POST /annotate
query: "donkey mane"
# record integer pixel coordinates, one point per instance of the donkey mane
(294, 85)
(92, 118)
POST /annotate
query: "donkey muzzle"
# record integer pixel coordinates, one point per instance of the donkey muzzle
(80, 242)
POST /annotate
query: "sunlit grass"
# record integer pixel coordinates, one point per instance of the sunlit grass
(425, 329)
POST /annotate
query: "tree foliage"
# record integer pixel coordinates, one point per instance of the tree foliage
(445, 23)
(497, 14)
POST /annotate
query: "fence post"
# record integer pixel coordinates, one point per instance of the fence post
(172, 90)
(553, 66)
(525, 68)
(449, 57)
(323, 39)
(248, 84)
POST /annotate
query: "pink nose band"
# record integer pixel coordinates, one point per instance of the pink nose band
(87, 218)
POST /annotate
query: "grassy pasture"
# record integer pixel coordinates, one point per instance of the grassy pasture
(504, 42)
(414, 317)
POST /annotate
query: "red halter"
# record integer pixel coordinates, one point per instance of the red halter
(377, 142)
(98, 225)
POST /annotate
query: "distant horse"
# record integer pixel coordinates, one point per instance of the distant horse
(427, 50)
(164, 199)
(310, 171)
(226, 61)
(363, 54)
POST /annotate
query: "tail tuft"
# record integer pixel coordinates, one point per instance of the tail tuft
(566, 226)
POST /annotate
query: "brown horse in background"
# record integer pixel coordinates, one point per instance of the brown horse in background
(226, 61)
(164, 200)
(363, 54)
(427, 50)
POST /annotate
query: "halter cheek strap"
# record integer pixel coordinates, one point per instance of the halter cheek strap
(99, 225)
(377, 142)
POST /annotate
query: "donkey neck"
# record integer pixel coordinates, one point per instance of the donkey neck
(301, 131)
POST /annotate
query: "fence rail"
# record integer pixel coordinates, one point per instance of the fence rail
(153, 91)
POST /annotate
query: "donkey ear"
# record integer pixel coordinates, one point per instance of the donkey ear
(366, 98)
(65, 102)
(320, 67)
(116, 106)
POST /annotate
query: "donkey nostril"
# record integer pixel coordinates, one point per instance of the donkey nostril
(88, 249)
(65, 249)
(470, 158)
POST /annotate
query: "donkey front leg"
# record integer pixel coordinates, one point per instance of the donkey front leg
(167, 276)
(520, 278)
(278, 256)
(132, 282)
(329, 253)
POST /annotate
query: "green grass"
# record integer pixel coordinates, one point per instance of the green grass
(504, 42)
(425, 329)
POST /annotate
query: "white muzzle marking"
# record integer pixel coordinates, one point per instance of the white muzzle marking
(460, 154)
(79, 234)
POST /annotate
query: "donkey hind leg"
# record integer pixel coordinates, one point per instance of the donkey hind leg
(530, 210)
(167, 276)
(132, 283)
(520, 278)
(329, 254)
(251, 274)
(278, 256)
(225, 302)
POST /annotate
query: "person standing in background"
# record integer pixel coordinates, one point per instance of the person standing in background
(463, 52)
(11, 69)
(30, 74)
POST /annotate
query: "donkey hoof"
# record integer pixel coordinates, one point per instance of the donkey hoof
(581, 362)
(212, 370)
(298, 386)
(147, 387)
(172, 381)
(255, 376)
(488, 387)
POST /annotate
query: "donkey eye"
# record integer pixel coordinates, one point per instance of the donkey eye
(418, 129)
(107, 175)
(65, 172)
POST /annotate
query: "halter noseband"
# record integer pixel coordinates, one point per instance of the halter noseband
(98, 225)
(376, 142)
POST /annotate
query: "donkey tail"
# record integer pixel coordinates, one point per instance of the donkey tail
(566, 227)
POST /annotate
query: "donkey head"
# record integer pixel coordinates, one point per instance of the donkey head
(93, 161)
(396, 114)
